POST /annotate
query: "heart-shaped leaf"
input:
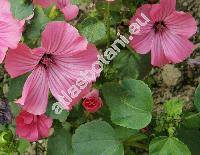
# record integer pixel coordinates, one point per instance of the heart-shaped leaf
(130, 103)
(168, 146)
(96, 138)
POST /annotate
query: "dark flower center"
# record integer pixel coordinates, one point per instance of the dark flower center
(159, 26)
(46, 60)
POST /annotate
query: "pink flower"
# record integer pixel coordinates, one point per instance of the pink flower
(55, 65)
(32, 127)
(69, 10)
(166, 34)
(10, 29)
(92, 102)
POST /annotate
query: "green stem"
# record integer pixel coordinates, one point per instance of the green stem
(51, 14)
(37, 148)
(107, 21)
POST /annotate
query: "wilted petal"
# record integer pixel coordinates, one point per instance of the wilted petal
(44, 124)
(36, 129)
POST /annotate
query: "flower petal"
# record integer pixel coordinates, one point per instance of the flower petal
(5, 7)
(176, 48)
(65, 73)
(142, 43)
(27, 132)
(2, 53)
(181, 23)
(20, 60)
(168, 5)
(157, 53)
(70, 12)
(60, 83)
(80, 61)
(60, 38)
(44, 125)
(33, 134)
(35, 92)
(10, 32)
(160, 11)
(145, 9)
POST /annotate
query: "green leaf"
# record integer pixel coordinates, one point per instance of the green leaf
(131, 65)
(16, 87)
(131, 5)
(96, 138)
(197, 98)
(191, 138)
(15, 109)
(192, 121)
(93, 29)
(23, 146)
(130, 103)
(60, 142)
(20, 9)
(61, 117)
(168, 146)
(34, 29)
(124, 133)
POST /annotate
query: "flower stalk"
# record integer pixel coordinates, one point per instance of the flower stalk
(107, 21)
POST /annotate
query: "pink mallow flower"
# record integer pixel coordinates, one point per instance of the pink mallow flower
(165, 35)
(92, 102)
(32, 127)
(10, 29)
(69, 10)
(56, 65)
